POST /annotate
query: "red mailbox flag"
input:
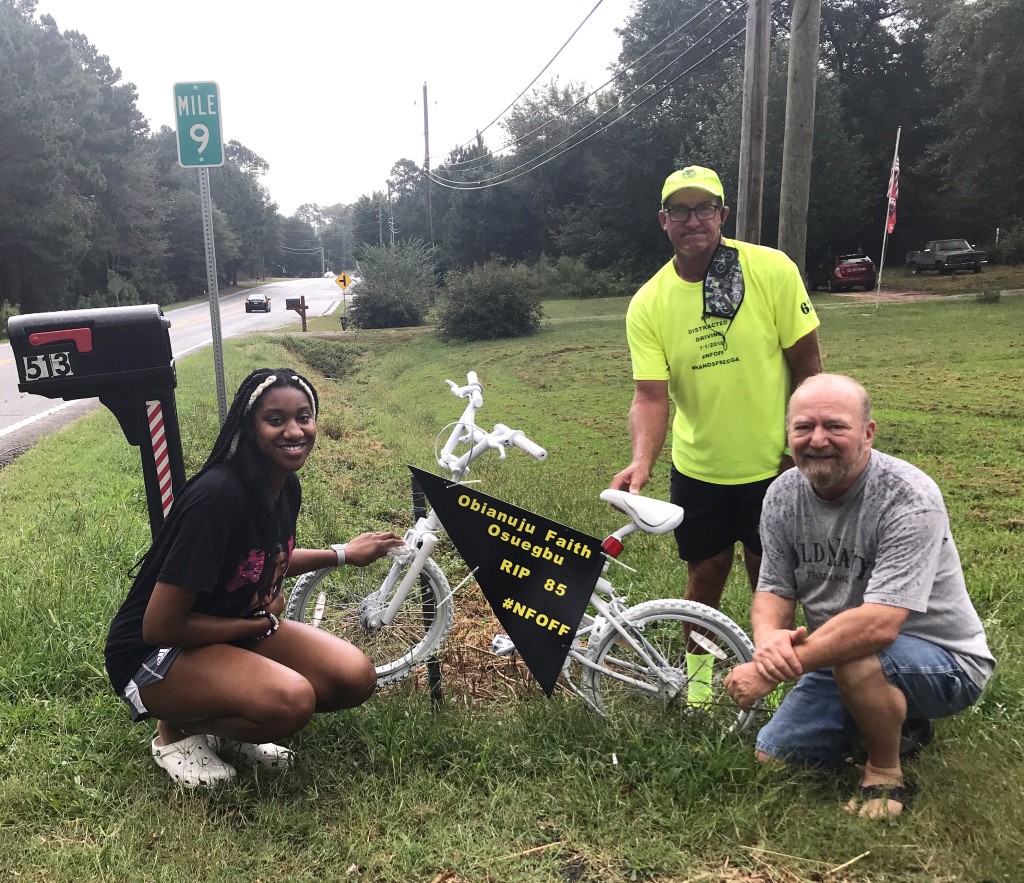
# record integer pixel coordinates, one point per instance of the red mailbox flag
(894, 192)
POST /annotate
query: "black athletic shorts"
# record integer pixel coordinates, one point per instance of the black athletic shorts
(716, 516)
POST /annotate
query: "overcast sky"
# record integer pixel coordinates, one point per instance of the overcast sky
(330, 92)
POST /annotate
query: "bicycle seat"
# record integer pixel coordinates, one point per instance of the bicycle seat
(650, 515)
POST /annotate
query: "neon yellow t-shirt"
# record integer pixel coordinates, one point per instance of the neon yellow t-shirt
(728, 380)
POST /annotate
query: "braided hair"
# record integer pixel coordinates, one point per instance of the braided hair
(238, 423)
(239, 416)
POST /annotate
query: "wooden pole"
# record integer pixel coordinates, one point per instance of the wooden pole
(797, 148)
(755, 111)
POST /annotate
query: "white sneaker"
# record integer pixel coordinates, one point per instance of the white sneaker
(266, 755)
(192, 763)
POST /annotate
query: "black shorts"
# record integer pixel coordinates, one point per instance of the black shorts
(717, 515)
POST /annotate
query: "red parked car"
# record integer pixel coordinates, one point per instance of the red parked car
(843, 272)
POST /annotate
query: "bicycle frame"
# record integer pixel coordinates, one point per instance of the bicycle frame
(610, 614)
(642, 650)
(422, 538)
(653, 517)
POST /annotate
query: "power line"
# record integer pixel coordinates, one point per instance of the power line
(485, 161)
(532, 164)
(596, 120)
(534, 80)
(618, 119)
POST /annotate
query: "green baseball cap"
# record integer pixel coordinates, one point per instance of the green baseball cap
(693, 176)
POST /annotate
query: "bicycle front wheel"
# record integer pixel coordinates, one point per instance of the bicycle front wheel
(341, 600)
(665, 687)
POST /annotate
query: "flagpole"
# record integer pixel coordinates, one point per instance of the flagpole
(885, 227)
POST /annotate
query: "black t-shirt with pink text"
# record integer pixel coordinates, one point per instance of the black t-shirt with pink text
(220, 541)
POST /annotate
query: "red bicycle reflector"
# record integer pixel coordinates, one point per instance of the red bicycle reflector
(613, 546)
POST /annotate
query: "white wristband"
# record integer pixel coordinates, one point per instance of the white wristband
(339, 550)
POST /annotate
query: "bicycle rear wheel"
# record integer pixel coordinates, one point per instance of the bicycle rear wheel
(626, 685)
(340, 600)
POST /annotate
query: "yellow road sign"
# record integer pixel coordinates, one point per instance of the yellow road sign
(343, 279)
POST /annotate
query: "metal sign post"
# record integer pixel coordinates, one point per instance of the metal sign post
(343, 281)
(211, 287)
(200, 145)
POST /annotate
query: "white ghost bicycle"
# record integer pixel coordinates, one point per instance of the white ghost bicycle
(657, 659)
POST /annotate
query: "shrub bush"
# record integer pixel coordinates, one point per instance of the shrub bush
(490, 301)
(6, 311)
(1010, 248)
(127, 295)
(569, 277)
(398, 286)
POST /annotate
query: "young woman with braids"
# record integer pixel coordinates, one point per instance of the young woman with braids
(198, 643)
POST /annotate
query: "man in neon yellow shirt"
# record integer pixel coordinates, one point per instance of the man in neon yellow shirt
(725, 330)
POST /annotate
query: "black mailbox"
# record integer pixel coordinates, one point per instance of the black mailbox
(79, 354)
(293, 303)
(123, 357)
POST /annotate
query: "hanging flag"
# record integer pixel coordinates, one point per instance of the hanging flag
(894, 192)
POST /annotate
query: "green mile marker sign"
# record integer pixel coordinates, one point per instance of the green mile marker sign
(197, 115)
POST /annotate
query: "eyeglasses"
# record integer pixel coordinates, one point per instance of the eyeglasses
(680, 214)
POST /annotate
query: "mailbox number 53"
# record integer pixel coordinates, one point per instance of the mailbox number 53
(47, 365)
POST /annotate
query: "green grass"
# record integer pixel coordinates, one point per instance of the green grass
(997, 277)
(500, 787)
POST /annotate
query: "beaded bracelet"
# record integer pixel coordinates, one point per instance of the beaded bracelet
(275, 623)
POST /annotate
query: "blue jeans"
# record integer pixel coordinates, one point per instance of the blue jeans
(813, 727)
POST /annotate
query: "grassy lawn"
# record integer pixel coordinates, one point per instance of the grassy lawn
(997, 277)
(500, 784)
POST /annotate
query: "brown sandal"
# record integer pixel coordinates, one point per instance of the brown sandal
(902, 794)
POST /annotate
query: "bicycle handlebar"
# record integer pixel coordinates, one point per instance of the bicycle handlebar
(465, 430)
(518, 439)
(473, 390)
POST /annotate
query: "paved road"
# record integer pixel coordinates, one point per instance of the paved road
(24, 418)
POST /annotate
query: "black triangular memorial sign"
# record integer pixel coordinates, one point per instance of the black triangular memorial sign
(536, 574)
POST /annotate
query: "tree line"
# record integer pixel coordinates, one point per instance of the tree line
(94, 209)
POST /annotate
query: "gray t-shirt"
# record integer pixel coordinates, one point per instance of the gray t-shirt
(885, 541)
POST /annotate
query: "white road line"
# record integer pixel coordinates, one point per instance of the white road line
(28, 421)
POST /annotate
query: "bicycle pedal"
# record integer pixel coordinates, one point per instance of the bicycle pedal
(502, 645)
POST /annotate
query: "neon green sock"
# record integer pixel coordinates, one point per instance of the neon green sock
(699, 669)
(774, 699)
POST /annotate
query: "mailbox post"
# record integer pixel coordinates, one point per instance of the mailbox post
(299, 305)
(122, 356)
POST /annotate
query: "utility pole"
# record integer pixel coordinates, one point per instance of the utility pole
(755, 112)
(322, 266)
(426, 164)
(380, 222)
(391, 217)
(804, 27)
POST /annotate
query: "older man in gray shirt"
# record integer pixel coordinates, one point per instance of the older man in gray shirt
(861, 541)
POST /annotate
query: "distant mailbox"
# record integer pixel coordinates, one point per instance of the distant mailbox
(78, 354)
